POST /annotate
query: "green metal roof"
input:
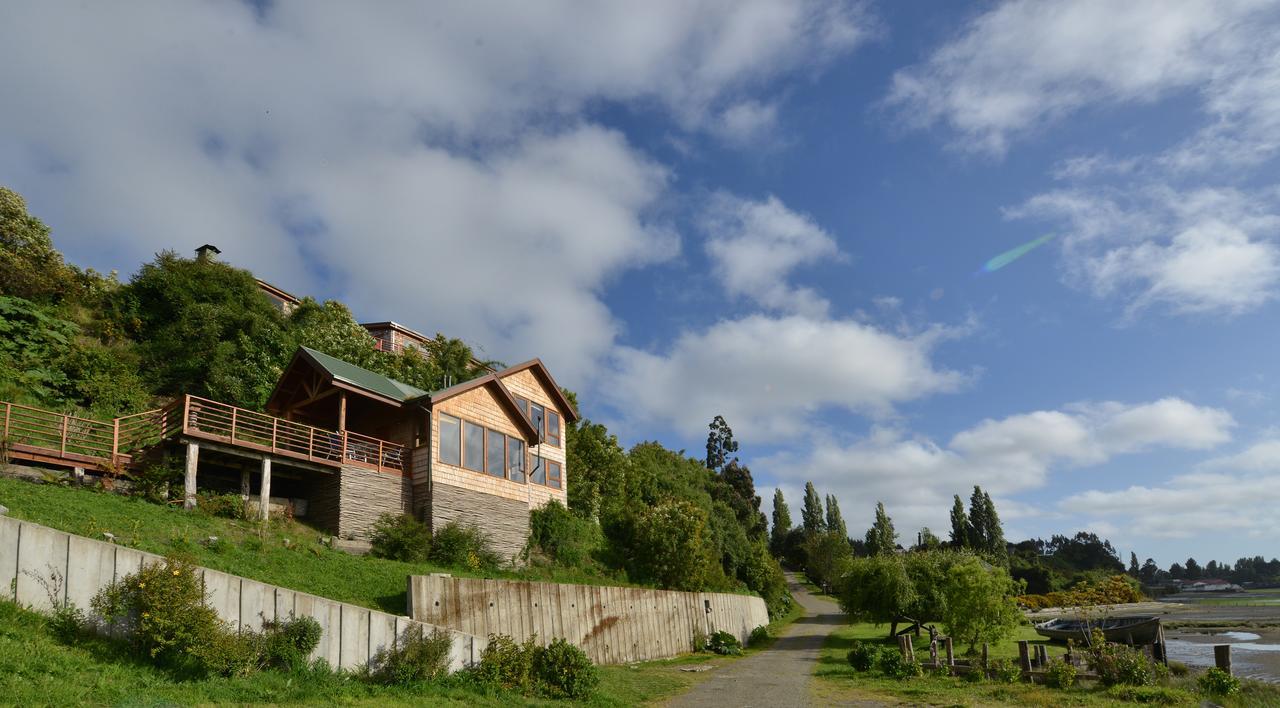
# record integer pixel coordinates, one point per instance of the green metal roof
(363, 378)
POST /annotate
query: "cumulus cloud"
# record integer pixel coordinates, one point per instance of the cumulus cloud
(450, 180)
(1200, 250)
(1024, 64)
(769, 375)
(755, 245)
(915, 476)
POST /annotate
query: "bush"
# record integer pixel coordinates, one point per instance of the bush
(1156, 695)
(1118, 665)
(400, 537)
(465, 546)
(758, 635)
(225, 506)
(1060, 674)
(1217, 682)
(161, 608)
(508, 664)
(68, 623)
(1004, 671)
(416, 657)
(154, 480)
(699, 641)
(1177, 668)
(725, 644)
(562, 670)
(287, 644)
(863, 656)
(893, 664)
(564, 537)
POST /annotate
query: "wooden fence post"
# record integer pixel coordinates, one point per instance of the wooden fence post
(985, 655)
(933, 652)
(65, 418)
(951, 654)
(911, 649)
(1024, 655)
(1222, 656)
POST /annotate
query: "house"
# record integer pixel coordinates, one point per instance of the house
(1212, 585)
(482, 452)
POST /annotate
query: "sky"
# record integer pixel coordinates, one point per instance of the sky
(788, 213)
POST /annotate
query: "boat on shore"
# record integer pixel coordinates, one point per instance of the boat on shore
(1123, 630)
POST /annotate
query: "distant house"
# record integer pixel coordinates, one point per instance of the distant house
(285, 302)
(1211, 585)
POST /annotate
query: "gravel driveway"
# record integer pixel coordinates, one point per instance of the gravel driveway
(779, 676)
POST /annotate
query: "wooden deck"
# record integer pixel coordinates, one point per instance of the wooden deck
(44, 436)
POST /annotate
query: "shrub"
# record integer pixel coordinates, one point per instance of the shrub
(508, 664)
(1177, 668)
(1004, 671)
(465, 546)
(725, 644)
(1116, 665)
(227, 653)
(1156, 695)
(1060, 674)
(893, 664)
(154, 480)
(162, 610)
(225, 506)
(562, 670)
(863, 656)
(400, 537)
(758, 635)
(416, 657)
(287, 644)
(699, 641)
(1217, 682)
(565, 537)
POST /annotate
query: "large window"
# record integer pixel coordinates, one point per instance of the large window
(537, 470)
(496, 455)
(524, 405)
(515, 460)
(553, 428)
(472, 446)
(553, 474)
(450, 440)
(537, 416)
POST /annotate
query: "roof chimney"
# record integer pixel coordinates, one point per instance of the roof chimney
(207, 252)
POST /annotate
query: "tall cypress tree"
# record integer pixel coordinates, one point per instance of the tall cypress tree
(978, 525)
(882, 540)
(781, 523)
(1134, 570)
(835, 522)
(959, 525)
(994, 535)
(812, 514)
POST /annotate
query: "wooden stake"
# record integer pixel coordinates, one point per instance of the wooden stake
(189, 480)
(951, 654)
(1222, 656)
(1024, 655)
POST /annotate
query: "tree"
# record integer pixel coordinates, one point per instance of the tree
(738, 490)
(598, 465)
(993, 535)
(30, 267)
(1149, 571)
(882, 540)
(671, 545)
(1177, 572)
(978, 523)
(1134, 570)
(811, 516)
(781, 524)
(720, 444)
(928, 541)
(835, 522)
(827, 557)
(980, 604)
(878, 589)
(959, 525)
(1193, 571)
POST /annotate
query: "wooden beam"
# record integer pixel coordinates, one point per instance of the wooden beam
(342, 410)
(264, 492)
(189, 481)
(313, 399)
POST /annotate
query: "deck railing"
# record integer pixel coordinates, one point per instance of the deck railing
(114, 443)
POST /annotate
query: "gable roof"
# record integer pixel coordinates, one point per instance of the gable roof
(500, 392)
(541, 373)
(362, 378)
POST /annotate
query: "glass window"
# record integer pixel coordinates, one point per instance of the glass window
(553, 474)
(450, 440)
(553, 428)
(537, 470)
(472, 446)
(536, 415)
(515, 460)
(495, 456)
(524, 405)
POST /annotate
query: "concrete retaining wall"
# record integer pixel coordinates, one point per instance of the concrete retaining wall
(351, 635)
(613, 625)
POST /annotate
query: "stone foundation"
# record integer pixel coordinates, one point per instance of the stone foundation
(506, 521)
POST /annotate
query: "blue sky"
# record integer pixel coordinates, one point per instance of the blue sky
(775, 211)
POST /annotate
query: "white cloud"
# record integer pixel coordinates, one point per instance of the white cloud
(1193, 251)
(769, 375)
(435, 160)
(748, 122)
(1024, 64)
(915, 477)
(754, 246)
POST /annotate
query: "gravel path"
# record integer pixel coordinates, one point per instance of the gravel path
(779, 676)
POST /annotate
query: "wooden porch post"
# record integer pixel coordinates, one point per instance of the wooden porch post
(189, 482)
(244, 486)
(264, 493)
(342, 410)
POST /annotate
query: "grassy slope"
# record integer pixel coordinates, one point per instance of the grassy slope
(287, 553)
(838, 682)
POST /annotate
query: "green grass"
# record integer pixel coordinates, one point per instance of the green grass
(837, 682)
(286, 553)
(36, 669)
(1251, 599)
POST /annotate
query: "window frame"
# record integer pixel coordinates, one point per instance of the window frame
(483, 445)
(521, 457)
(559, 476)
(553, 441)
(489, 434)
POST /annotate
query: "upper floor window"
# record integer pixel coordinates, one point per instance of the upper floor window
(472, 446)
(524, 405)
(450, 440)
(538, 416)
(515, 460)
(553, 428)
(496, 453)
(537, 470)
(553, 474)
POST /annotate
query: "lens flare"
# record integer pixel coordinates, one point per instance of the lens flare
(1013, 254)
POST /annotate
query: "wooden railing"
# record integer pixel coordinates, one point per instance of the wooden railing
(27, 429)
